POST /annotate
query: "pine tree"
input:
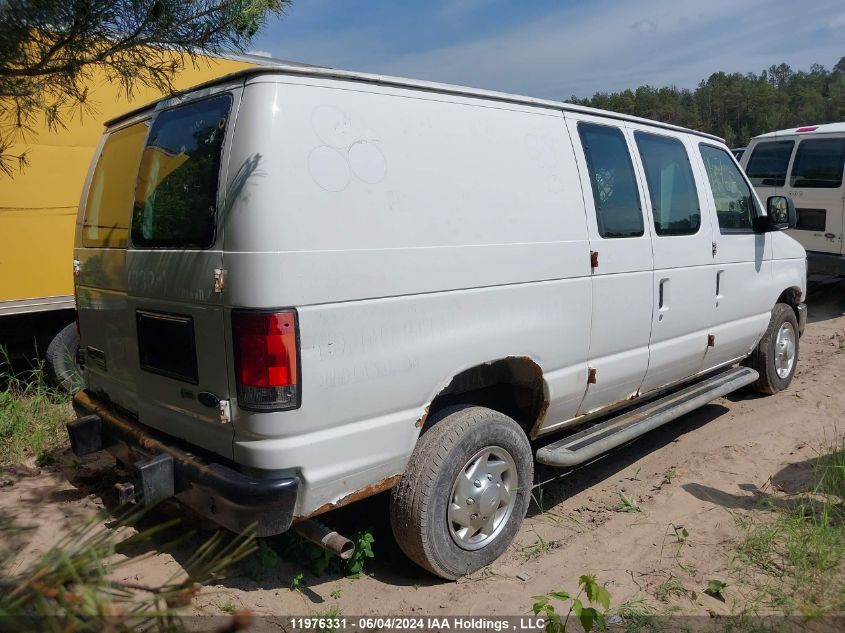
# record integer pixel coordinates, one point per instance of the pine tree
(49, 49)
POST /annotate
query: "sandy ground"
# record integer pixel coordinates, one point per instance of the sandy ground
(722, 460)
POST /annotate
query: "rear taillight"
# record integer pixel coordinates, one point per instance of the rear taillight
(266, 351)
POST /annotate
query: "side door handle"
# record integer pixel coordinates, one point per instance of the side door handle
(663, 295)
(719, 278)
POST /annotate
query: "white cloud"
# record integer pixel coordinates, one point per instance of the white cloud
(838, 22)
(644, 27)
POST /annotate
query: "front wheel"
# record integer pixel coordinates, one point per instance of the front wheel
(464, 493)
(776, 356)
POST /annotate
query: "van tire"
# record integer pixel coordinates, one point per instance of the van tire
(420, 502)
(62, 370)
(763, 358)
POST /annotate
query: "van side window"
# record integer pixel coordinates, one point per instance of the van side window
(734, 201)
(671, 186)
(819, 164)
(109, 203)
(176, 196)
(618, 209)
(768, 162)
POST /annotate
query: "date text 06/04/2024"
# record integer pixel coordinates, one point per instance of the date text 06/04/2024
(423, 623)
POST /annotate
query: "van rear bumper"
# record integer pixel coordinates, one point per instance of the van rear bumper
(163, 469)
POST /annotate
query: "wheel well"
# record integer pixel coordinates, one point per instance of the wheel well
(513, 386)
(791, 297)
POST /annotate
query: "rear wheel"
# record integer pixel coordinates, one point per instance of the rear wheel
(776, 355)
(464, 493)
(62, 370)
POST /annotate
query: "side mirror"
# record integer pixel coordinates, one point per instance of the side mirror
(781, 215)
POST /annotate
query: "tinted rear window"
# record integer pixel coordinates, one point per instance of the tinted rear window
(109, 202)
(819, 164)
(617, 200)
(768, 162)
(176, 196)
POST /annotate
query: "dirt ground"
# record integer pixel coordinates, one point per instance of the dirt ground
(696, 473)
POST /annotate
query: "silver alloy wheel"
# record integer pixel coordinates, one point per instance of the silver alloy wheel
(785, 350)
(482, 498)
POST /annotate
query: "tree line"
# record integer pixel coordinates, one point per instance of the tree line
(739, 106)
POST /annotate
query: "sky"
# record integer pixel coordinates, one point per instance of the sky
(557, 49)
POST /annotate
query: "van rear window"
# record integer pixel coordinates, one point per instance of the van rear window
(617, 201)
(768, 162)
(819, 164)
(109, 202)
(176, 197)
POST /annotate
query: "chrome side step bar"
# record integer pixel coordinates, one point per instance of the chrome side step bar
(600, 438)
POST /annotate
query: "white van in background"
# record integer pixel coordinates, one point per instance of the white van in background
(330, 284)
(806, 164)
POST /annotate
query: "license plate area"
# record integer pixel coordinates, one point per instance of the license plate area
(166, 345)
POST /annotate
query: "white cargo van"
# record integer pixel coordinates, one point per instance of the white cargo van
(335, 284)
(806, 164)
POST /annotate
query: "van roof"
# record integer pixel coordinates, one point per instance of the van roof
(269, 66)
(806, 129)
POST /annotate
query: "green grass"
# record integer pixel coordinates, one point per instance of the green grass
(263, 562)
(327, 618)
(32, 416)
(538, 548)
(669, 588)
(639, 616)
(626, 504)
(796, 563)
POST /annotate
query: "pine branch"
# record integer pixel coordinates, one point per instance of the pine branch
(50, 48)
(74, 581)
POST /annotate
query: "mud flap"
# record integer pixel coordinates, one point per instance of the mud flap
(156, 480)
(86, 435)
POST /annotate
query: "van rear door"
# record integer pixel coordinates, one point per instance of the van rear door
(174, 271)
(102, 237)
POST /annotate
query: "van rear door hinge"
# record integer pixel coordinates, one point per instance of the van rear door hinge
(714, 248)
(218, 280)
(594, 259)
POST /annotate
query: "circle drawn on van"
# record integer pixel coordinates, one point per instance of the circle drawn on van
(367, 162)
(328, 168)
(335, 127)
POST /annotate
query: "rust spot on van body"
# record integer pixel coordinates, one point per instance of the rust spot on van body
(421, 422)
(352, 497)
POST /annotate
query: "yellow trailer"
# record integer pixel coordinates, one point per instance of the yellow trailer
(38, 207)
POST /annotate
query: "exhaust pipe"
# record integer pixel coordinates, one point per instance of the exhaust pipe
(326, 538)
